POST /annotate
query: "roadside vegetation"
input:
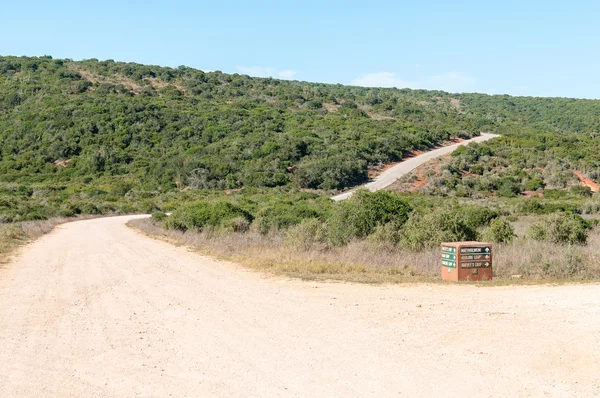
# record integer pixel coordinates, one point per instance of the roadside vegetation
(16, 234)
(381, 236)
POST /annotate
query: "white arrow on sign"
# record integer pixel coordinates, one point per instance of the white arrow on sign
(487, 249)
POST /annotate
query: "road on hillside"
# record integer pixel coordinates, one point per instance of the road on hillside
(389, 176)
(95, 309)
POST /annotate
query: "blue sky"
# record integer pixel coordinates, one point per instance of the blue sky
(528, 47)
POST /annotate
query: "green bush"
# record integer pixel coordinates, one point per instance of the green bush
(590, 207)
(477, 216)
(561, 228)
(159, 216)
(555, 194)
(534, 184)
(205, 214)
(509, 188)
(284, 215)
(89, 208)
(360, 215)
(310, 234)
(531, 206)
(499, 231)
(333, 172)
(237, 224)
(386, 234)
(33, 216)
(582, 191)
(429, 230)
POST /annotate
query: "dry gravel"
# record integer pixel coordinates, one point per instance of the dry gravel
(96, 309)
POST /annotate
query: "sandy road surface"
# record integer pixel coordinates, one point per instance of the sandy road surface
(390, 176)
(95, 310)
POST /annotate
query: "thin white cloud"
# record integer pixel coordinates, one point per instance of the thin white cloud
(261, 71)
(449, 81)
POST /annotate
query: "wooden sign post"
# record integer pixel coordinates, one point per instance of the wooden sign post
(467, 261)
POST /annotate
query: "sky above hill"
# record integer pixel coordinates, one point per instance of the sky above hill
(533, 47)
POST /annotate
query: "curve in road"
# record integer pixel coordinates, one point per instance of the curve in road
(389, 176)
(97, 309)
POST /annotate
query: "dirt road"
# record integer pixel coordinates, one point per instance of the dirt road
(390, 176)
(97, 310)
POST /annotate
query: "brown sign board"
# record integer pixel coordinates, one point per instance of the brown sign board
(467, 261)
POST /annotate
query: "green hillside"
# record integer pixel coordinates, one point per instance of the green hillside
(95, 135)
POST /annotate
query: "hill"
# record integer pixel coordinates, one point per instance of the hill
(113, 133)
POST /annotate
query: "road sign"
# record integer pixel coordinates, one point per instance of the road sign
(477, 249)
(449, 256)
(475, 257)
(466, 261)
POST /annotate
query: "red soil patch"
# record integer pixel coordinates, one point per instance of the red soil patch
(422, 178)
(468, 173)
(586, 182)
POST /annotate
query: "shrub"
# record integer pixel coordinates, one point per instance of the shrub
(477, 169)
(237, 224)
(386, 234)
(500, 231)
(309, 234)
(159, 217)
(534, 184)
(284, 215)
(561, 228)
(148, 207)
(555, 193)
(333, 172)
(531, 206)
(477, 216)
(590, 207)
(89, 208)
(509, 189)
(579, 190)
(65, 213)
(33, 216)
(12, 232)
(359, 216)
(203, 214)
(429, 230)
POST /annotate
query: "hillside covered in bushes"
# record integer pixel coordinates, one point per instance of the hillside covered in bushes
(102, 136)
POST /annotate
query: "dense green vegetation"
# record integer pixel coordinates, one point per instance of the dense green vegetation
(75, 121)
(385, 216)
(239, 153)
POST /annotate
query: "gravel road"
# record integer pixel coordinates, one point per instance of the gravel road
(390, 176)
(95, 309)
